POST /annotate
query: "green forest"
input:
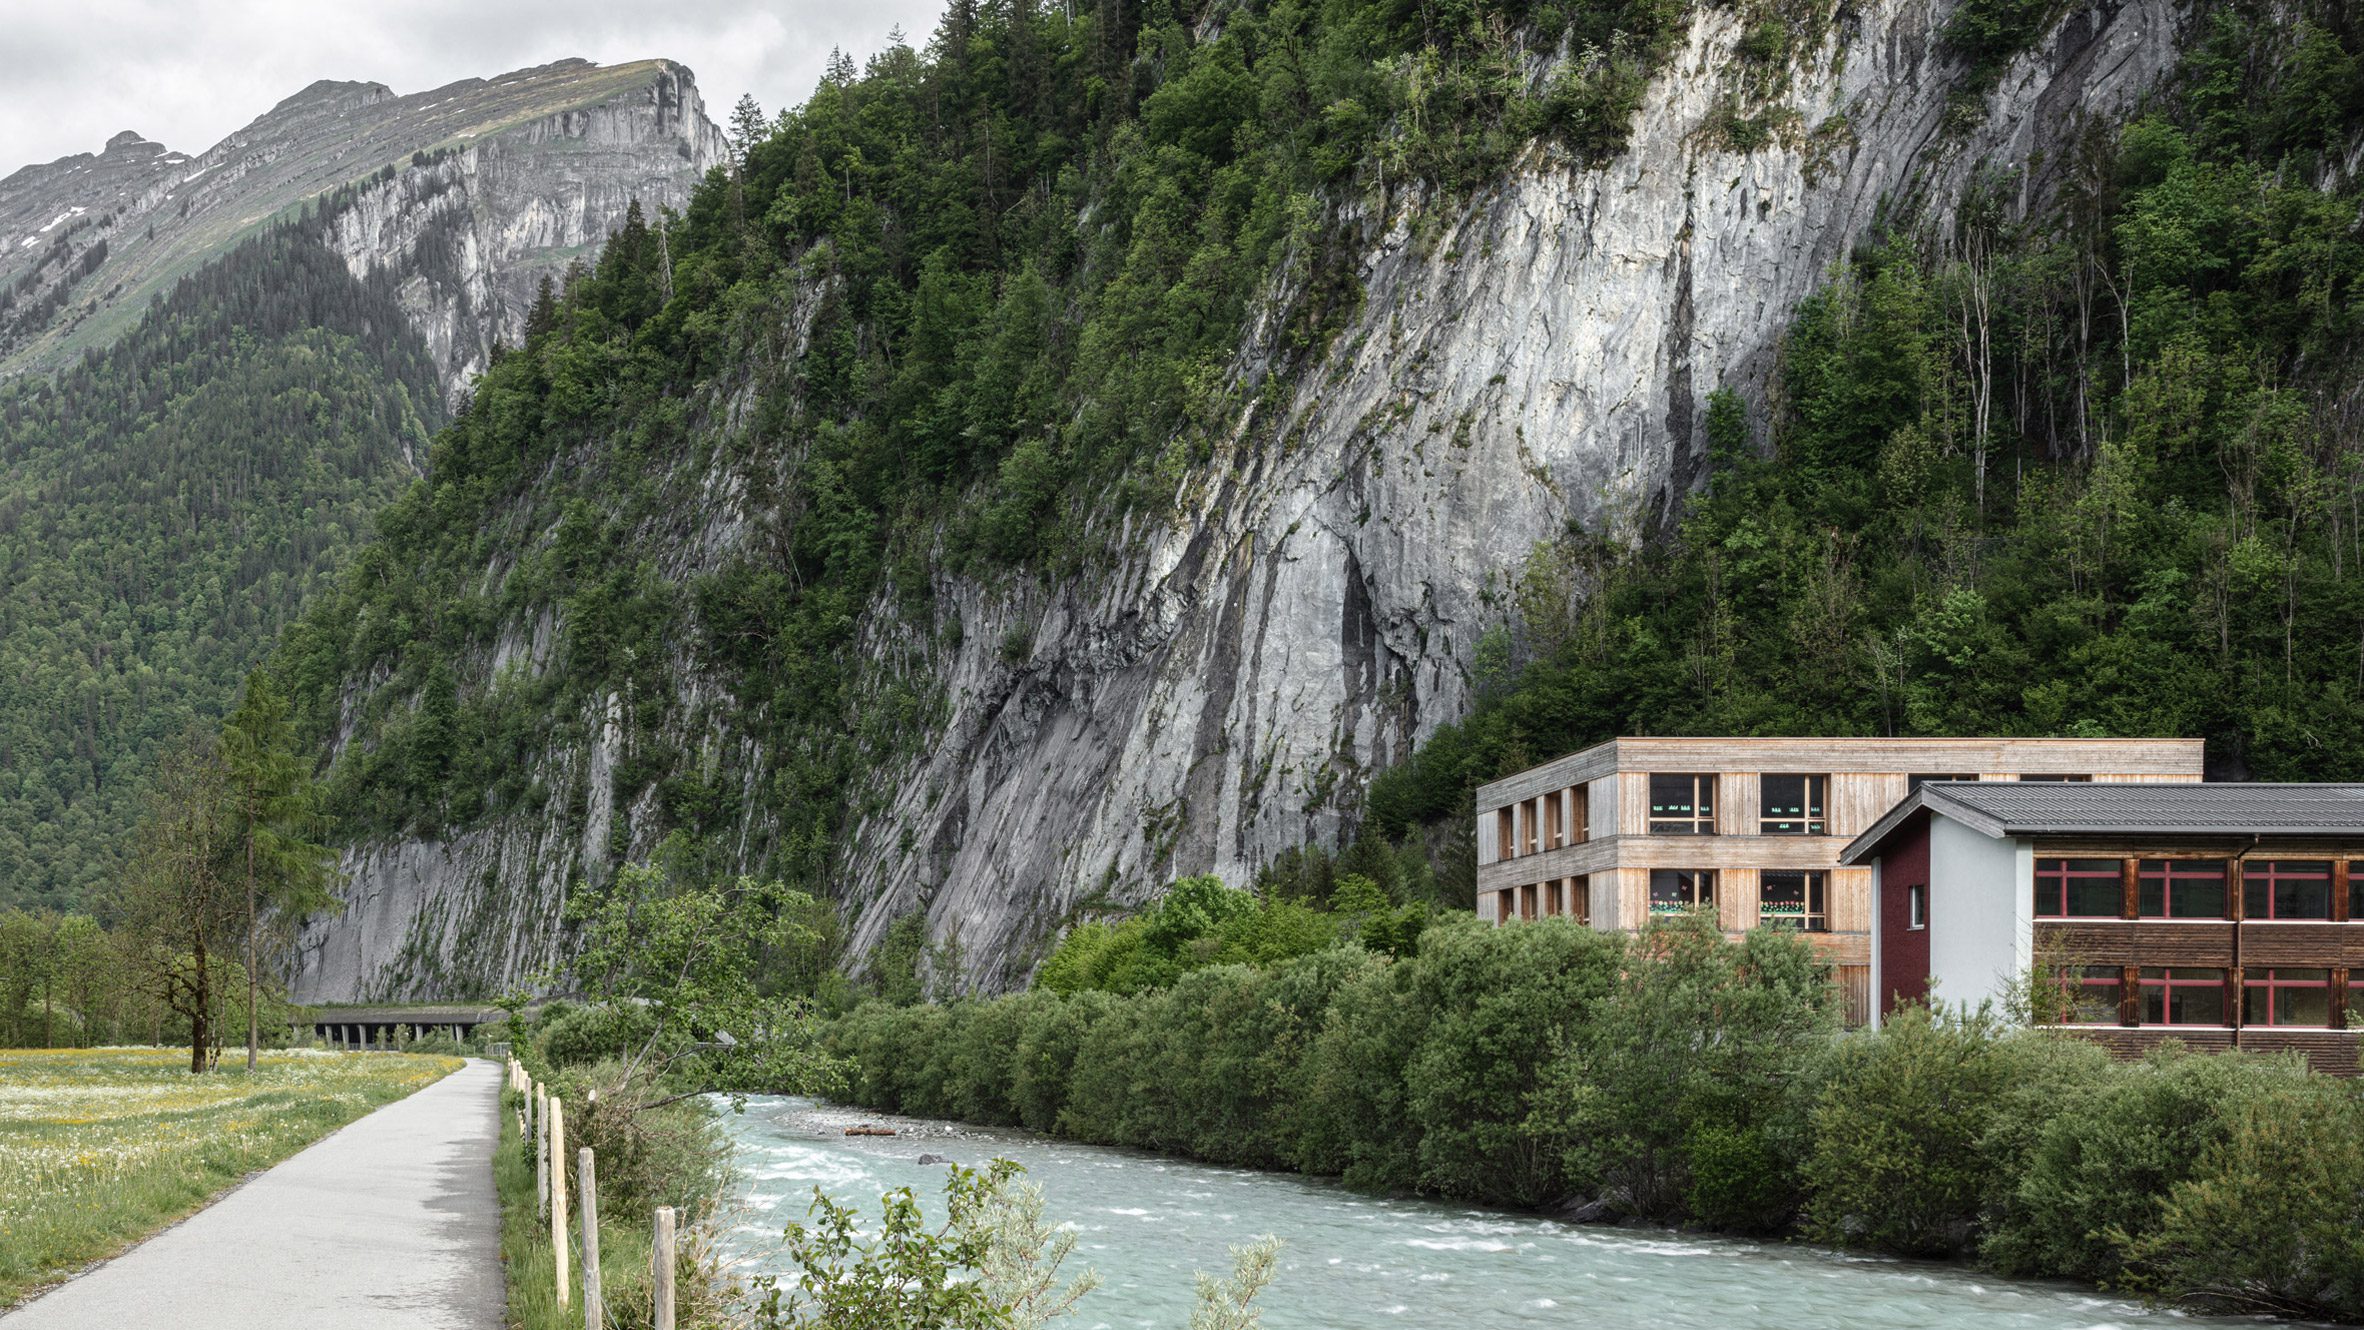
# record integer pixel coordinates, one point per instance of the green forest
(2097, 472)
(166, 508)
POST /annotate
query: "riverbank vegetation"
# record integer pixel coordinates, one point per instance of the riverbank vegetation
(100, 1147)
(1678, 1077)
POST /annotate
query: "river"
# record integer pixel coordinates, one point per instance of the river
(1147, 1223)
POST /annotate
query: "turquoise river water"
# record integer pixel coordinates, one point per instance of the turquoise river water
(1147, 1223)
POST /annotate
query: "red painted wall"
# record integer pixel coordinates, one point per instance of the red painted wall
(1904, 950)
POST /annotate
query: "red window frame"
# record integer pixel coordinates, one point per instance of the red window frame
(2165, 875)
(2261, 878)
(2169, 987)
(2054, 877)
(2082, 984)
(2270, 984)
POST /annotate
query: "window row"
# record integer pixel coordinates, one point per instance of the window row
(1545, 900)
(1787, 805)
(2300, 998)
(1545, 822)
(2278, 889)
(1794, 900)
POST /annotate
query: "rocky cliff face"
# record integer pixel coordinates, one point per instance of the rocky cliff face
(1220, 690)
(469, 193)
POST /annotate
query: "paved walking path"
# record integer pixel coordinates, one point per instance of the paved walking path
(390, 1222)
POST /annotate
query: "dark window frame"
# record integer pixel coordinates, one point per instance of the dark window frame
(1698, 884)
(1813, 799)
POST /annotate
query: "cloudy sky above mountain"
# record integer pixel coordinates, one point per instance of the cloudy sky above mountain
(187, 72)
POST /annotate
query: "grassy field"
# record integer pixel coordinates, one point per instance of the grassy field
(100, 1147)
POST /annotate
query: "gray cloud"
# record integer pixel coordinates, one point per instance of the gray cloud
(188, 72)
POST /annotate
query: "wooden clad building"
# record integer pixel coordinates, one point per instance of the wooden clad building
(1750, 828)
(2223, 916)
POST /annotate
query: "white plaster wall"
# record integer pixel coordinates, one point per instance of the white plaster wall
(1982, 925)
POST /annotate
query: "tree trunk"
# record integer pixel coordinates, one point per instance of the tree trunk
(198, 1008)
(253, 1019)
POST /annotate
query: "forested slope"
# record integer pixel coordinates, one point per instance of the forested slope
(165, 508)
(2097, 470)
(1083, 451)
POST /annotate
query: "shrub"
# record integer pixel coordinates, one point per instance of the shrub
(583, 1035)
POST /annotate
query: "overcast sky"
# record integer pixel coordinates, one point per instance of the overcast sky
(187, 72)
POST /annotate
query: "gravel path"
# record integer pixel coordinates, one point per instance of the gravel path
(388, 1222)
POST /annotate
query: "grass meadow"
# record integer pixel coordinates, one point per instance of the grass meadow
(101, 1147)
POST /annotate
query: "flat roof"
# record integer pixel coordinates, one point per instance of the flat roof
(1980, 754)
(2060, 808)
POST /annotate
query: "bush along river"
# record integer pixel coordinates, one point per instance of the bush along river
(1148, 1223)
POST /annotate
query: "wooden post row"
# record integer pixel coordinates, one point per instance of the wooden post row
(661, 1257)
(592, 1311)
(558, 1193)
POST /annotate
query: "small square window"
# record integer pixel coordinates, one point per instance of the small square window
(1793, 805)
(1682, 805)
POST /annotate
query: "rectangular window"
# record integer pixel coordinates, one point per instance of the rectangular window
(1505, 905)
(2286, 997)
(1916, 906)
(1674, 890)
(1793, 900)
(2286, 889)
(1583, 804)
(1552, 821)
(2182, 996)
(1534, 830)
(2093, 992)
(1914, 782)
(1505, 844)
(1580, 899)
(2079, 889)
(1793, 806)
(1682, 805)
(2356, 891)
(2181, 889)
(2048, 776)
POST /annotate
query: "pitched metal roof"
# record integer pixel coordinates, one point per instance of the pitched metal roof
(2065, 808)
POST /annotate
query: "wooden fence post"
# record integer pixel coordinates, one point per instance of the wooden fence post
(541, 1116)
(558, 1236)
(661, 1257)
(592, 1311)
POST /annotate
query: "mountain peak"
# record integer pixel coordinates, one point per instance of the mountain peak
(132, 138)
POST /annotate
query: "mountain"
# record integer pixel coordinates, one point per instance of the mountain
(1083, 453)
(469, 194)
(224, 366)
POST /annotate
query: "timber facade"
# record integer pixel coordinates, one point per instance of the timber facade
(2228, 916)
(1751, 829)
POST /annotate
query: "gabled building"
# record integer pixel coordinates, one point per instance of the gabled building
(1749, 828)
(2226, 915)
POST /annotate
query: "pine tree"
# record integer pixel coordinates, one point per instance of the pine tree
(286, 872)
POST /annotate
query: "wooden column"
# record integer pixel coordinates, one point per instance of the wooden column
(558, 1237)
(592, 1311)
(661, 1261)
